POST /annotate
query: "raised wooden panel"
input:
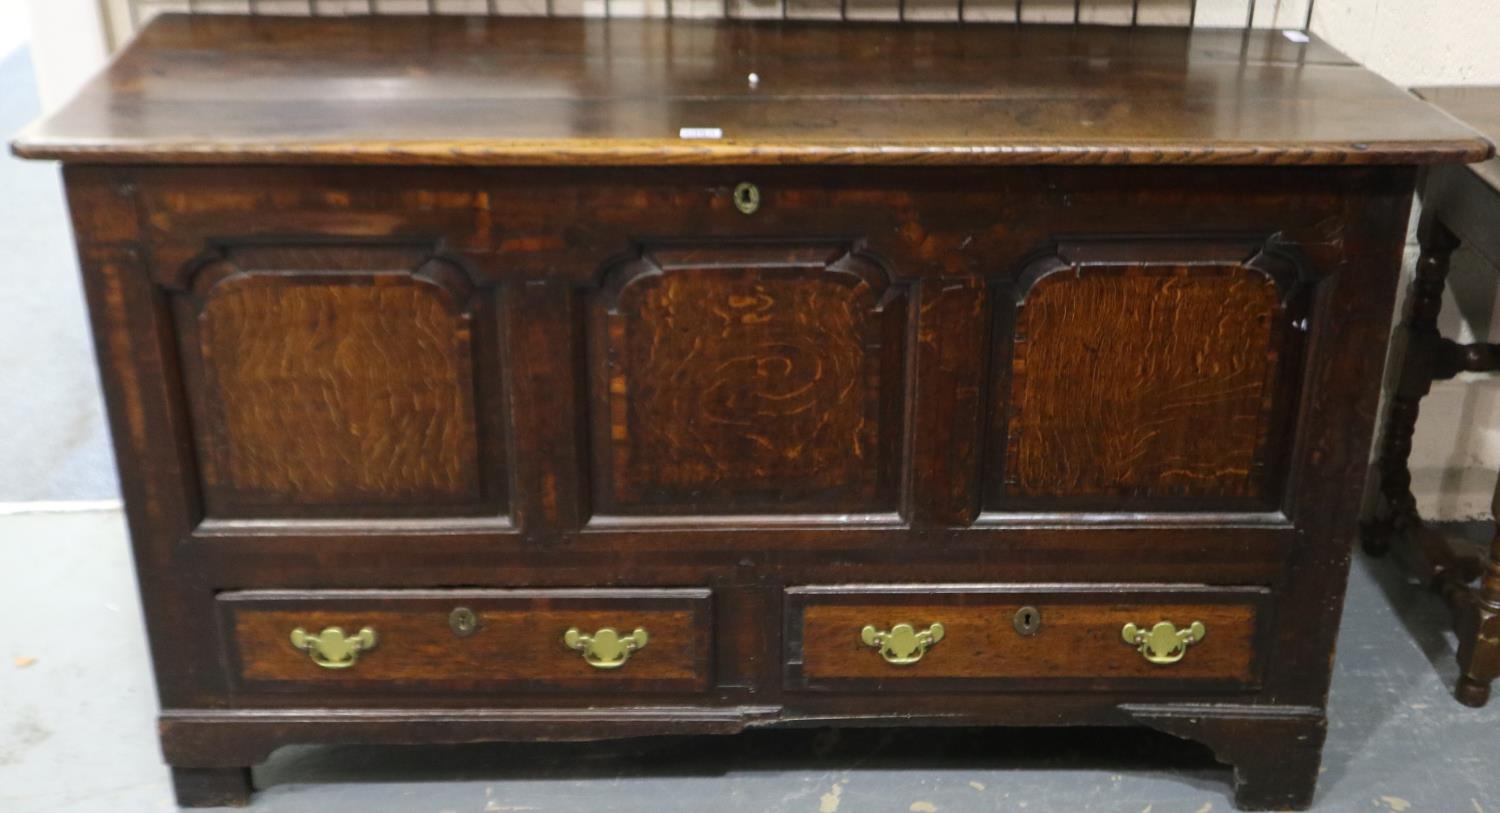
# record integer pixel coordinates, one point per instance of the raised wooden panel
(1157, 372)
(1077, 641)
(516, 644)
(342, 381)
(748, 378)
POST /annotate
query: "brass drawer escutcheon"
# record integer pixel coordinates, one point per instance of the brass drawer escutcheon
(902, 645)
(607, 648)
(747, 198)
(331, 648)
(1027, 621)
(1163, 644)
(463, 622)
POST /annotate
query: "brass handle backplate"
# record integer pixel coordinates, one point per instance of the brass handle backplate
(607, 648)
(1163, 644)
(902, 645)
(331, 648)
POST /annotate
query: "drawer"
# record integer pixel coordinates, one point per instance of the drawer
(1054, 637)
(518, 640)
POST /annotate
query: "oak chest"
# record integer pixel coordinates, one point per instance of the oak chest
(550, 379)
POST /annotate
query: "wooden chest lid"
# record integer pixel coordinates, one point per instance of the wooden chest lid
(516, 91)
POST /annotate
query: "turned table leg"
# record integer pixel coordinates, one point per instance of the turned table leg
(211, 787)
(1417, 373)
(1478, 627)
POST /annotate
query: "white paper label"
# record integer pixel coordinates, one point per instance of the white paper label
(1296, 36)
(700, 132)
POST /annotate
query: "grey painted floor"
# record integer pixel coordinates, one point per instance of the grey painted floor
(77, 706)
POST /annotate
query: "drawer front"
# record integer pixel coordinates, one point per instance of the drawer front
(517, 640)
(1061, 637)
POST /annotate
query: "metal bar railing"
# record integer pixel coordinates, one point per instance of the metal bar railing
(1083, 12)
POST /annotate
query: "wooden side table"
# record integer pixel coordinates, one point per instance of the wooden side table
(1460, 205)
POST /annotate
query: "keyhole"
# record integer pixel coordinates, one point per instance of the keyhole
(463, 622)
(747, 198)
(1028, 620)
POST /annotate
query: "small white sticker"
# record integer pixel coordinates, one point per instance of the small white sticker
(700, 132)
(1296, 36)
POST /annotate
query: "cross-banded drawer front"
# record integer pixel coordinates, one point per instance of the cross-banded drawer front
(516, 640)
(1054, 637)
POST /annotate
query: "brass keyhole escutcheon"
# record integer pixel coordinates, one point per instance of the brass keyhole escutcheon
(463, 622)
(747, 198)
(1027, 621)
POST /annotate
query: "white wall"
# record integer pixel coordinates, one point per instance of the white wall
(1417, 42)
(68, 45)
(13, 31)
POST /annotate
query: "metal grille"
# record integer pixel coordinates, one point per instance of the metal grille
(126, 16)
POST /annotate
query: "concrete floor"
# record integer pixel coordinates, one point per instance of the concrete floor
(77, 729)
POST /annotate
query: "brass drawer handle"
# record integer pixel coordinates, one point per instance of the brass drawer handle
(607, 648)
(1163, 644)
(902, 645)
(331, 649)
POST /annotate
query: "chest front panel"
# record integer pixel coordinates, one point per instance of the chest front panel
(1141, 352)
(1126, 395)
(328, 379)
(757, 377)
(349, 354)
(1165, 374)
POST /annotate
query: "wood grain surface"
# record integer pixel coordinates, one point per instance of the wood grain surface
(331, 387)
(560, 257)
(1143, 381)
(1078, 640)
(743, 376)
(518, 645)
(442, 90)
(540, 253)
